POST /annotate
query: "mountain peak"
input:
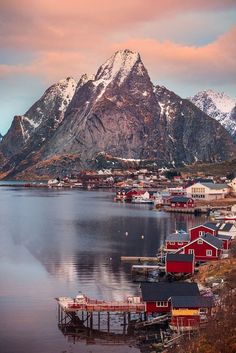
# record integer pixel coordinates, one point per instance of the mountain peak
(220, 100)
(84, 79)
(119, 65)
(219, 106)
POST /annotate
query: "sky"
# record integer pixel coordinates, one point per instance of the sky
(186, 45)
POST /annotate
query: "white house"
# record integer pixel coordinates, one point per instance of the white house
(227, 229)
(232, 186)
(207, 191)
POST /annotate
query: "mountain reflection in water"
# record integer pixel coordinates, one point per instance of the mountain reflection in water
(56, 243)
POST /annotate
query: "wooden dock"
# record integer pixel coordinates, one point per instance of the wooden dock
(82, 303)
(80, 311)
(146, 270)
(193, 210)
(153, 321)
(139, 259)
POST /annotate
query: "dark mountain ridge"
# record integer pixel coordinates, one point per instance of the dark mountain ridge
(118, 112)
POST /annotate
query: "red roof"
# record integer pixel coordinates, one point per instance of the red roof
(135, 192)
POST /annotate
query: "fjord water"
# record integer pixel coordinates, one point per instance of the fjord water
(58, 242)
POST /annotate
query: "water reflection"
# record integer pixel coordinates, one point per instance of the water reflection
(54, 243)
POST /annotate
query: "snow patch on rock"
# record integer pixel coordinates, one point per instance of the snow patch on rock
(116, 68)
(218, 106)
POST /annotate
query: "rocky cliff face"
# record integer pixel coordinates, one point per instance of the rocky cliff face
(233, 116)
(117, 112)
(29, 132)
(120, 113)
(218, 106)
(190, 134)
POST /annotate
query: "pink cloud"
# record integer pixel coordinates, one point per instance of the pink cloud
(70, 37)
(70, 24)
(212, 63)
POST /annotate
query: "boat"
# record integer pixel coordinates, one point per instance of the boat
(141, 196)
(141, 199)
(223, 216)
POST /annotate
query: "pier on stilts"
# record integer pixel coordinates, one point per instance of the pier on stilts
(81, 312)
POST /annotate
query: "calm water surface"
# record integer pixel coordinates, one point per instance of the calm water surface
(55, 243)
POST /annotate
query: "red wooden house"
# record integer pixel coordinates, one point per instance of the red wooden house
(205, 248)
(181, 202)
(226, 240)
(156, 295)
(134, 192)
(202, 229)
(187, 312)
(180, 263)
(176, 241)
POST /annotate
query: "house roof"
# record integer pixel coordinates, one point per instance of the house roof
(191, 302)
(215, 186)
(211, 225)
(223, 237)
(212, 240)
(165, 290)
(135, 192)
(225, 227)
(204, 180)
(179, 258)
(180, 199)
(179, 237)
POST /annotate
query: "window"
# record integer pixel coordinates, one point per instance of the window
(201, 233)
(179, 243)
(171, 243)
(200, 241)
(209, 253)
(162, 304)
(191, 251)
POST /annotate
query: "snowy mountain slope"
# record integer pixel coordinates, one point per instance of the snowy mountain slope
(218, 106)
(117, 113)
(41, 120)
(121, 113)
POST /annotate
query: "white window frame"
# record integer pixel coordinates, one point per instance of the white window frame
(201, 233)
(190, 251)
(162, 304)
(200, 241)
(208, 252)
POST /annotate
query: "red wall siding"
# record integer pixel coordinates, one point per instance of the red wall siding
(200, 251)
(195, 232)
(182, 204)
(185, 321)
(151, 307)
(225, 244)
(179, 267)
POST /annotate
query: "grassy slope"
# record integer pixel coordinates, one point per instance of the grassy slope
(214, 169)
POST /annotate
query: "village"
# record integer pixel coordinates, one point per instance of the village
(172, 193)
(175, 303)
(172, 302)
